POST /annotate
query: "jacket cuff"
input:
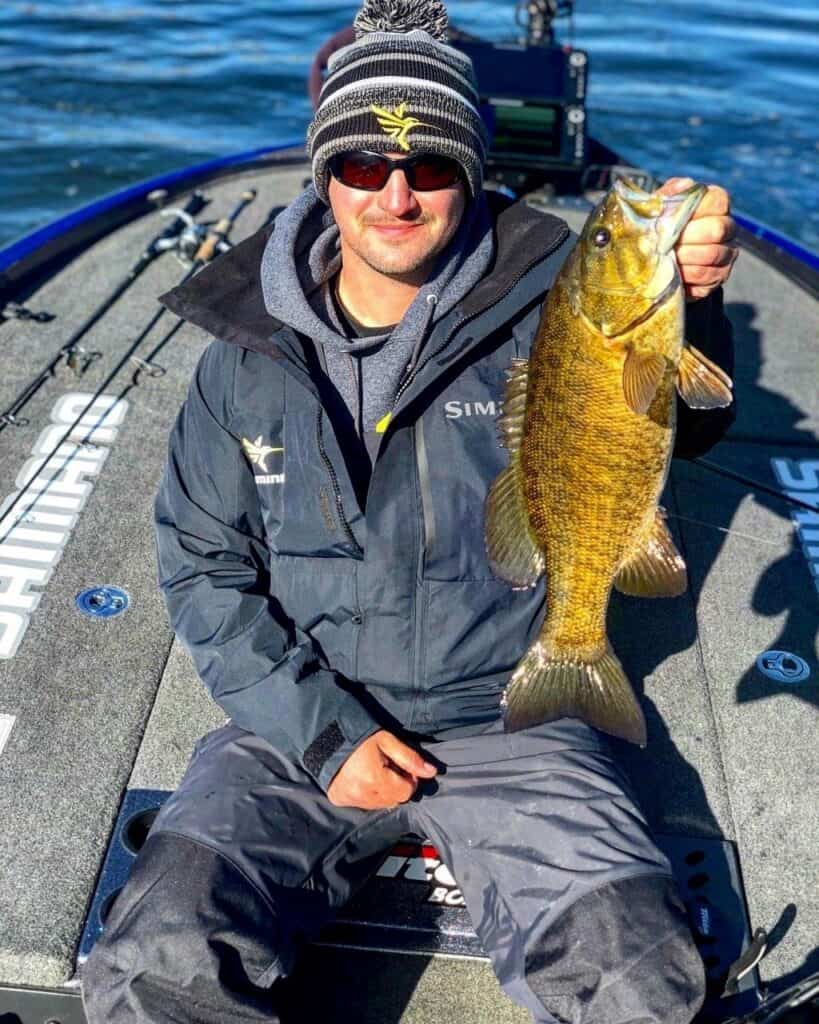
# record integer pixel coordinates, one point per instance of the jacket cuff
(334, 744)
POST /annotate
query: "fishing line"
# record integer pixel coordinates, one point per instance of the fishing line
(724, 529)
(165, 240)
(207, 250)
(782, 495)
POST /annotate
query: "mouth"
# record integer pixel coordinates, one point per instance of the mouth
(669, 214)
(677, 211)
(394, 230)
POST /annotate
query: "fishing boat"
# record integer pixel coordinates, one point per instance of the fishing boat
(100, 707)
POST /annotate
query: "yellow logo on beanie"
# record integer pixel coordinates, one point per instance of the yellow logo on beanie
(396, 124)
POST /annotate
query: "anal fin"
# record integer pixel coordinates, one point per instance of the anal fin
(656, 568)
(701, 383)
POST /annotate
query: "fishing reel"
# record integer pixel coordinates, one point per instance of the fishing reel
(187, 243)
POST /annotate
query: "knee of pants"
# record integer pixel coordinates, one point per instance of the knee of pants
(188, 929)
(622, 954)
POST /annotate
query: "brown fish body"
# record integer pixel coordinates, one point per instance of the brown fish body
(592, 468)
(589, 422)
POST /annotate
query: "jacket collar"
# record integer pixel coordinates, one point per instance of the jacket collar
(225, 298)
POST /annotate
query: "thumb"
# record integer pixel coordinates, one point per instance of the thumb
(675, 185)
(406, 758)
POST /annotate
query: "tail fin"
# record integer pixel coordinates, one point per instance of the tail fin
(545, 687)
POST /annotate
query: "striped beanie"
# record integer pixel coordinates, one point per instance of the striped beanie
(399, 88)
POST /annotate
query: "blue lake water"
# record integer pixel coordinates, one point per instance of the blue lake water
(96, 96)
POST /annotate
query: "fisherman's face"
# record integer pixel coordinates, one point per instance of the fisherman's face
(396, 231)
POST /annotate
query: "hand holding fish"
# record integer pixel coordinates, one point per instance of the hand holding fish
(707, 248)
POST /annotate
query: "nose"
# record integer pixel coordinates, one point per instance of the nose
(396, 197)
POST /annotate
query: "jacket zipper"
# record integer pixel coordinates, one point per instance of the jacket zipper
(422, 466)
(334, 481)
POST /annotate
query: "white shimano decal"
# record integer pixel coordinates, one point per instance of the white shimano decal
(800, 479)
(36, 520)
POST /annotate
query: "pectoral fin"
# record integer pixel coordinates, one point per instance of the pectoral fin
(701, 383)
(642, 373)
(513, 555)
(656, 568)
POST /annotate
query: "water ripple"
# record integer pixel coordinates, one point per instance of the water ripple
(98, 95)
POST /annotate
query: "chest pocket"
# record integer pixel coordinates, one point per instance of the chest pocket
(293, 484)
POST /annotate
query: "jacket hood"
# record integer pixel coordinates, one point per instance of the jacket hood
(227, 299)
(303, 254)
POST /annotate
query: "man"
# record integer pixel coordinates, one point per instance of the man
(320, 541)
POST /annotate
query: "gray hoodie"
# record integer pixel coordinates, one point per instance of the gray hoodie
(300, 260)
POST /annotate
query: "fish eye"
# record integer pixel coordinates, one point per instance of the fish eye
(601, 237)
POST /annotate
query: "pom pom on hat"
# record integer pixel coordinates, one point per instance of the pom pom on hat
(402, 16)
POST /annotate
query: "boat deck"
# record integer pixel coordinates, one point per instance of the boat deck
(93, 708)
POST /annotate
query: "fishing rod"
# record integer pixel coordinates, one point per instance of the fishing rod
(212, 245)
(782, 495)
(166, 239)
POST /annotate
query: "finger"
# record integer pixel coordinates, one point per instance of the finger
(715, 202)
(698, 292)
(695, 275)
(700, 276)
(406, 758)
(706, 255)
(708, 231)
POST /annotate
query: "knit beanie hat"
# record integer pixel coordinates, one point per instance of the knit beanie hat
(399, 88)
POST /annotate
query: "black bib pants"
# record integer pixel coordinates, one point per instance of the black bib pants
(571, 898)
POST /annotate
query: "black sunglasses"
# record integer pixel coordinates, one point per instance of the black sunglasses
(425, 172)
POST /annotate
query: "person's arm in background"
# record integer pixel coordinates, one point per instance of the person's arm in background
(706, 251)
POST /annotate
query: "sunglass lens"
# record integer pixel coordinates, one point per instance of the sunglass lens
(360, 170)
(432, 172)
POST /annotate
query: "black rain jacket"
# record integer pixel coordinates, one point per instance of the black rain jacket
(320, 605)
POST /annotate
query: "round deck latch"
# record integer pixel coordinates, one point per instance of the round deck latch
(783, 667)
(102, 602)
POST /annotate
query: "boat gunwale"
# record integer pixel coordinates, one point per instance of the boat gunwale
(25, 262)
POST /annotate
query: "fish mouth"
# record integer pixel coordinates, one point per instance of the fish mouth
(669, 213)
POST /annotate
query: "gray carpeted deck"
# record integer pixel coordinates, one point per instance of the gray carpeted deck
(97, 707)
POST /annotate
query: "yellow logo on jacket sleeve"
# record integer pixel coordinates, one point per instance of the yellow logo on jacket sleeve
(396, 123)
(258, 452)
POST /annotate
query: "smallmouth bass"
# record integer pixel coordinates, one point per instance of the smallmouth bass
(589, 421)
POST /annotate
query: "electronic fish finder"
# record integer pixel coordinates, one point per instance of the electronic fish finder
(533, 99)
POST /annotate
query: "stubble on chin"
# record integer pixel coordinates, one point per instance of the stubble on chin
(397, 260)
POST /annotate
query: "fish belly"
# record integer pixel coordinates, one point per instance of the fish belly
(592, 471)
